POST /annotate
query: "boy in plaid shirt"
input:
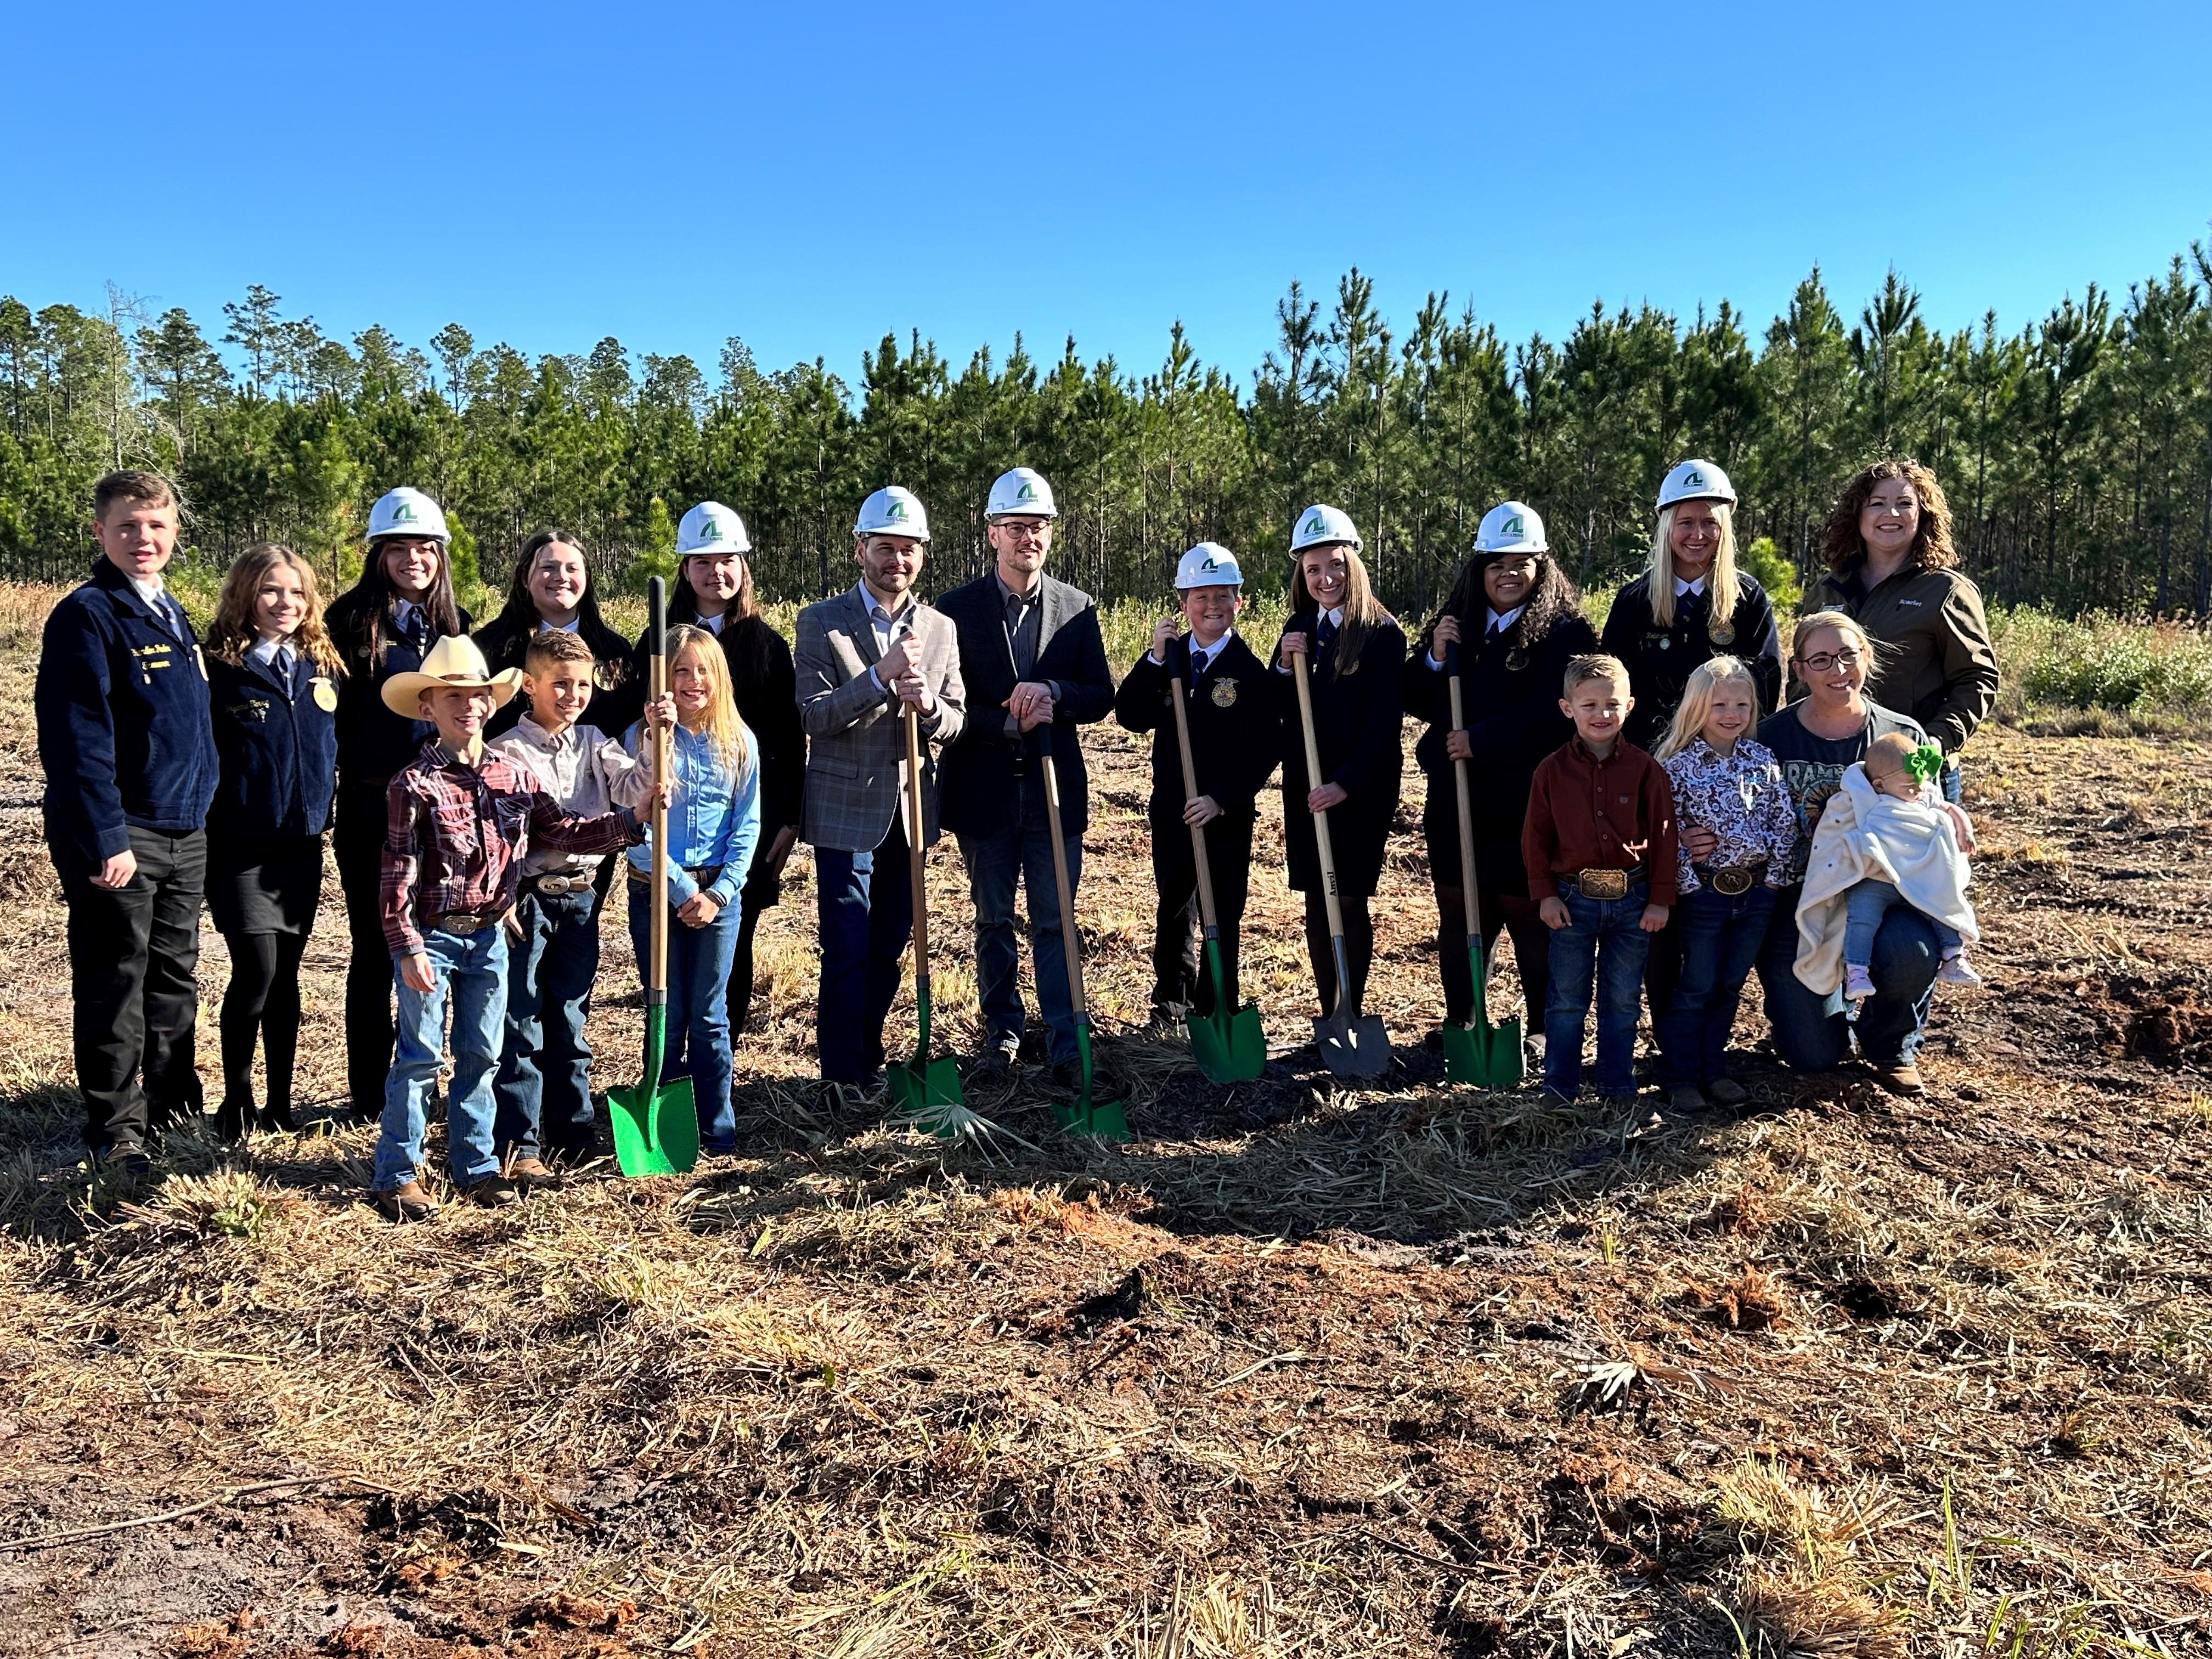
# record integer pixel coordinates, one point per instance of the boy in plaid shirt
(461, 820)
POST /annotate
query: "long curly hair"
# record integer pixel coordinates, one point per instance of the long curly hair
(1841, 546)
(1553, 597)
(233, 633)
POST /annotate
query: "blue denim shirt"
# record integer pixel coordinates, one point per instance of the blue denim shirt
(715, 819)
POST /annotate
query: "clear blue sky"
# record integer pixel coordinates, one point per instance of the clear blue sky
(808, 177)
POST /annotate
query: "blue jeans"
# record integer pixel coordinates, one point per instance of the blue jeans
(1022, 850)
(1605, 941)
(1721, 937)
(1810, 1033)
(1865, 906)
(472, 971)
(545, 1069)
(698, 1034)
(866, 919)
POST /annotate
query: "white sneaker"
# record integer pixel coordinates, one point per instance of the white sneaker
(1856, 986)
(1957, 970)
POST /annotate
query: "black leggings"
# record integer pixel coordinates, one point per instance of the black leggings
(1515, 914)
(1359, 947)
(263, 1000)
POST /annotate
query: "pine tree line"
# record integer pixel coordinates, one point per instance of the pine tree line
(2076, 452)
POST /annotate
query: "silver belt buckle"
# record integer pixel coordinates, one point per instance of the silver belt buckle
(460, 924)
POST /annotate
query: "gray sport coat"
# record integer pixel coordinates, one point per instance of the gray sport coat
(856, 741)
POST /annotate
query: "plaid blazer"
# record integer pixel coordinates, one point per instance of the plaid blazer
(856, 741)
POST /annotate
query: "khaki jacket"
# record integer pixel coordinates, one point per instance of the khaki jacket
(1933, 658)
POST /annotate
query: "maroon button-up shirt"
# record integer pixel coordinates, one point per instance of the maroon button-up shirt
(455, 837)
(1585, 813)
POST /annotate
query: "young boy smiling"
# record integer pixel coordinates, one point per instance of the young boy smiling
(461, 822)
(1599, 844)
(544, 1090)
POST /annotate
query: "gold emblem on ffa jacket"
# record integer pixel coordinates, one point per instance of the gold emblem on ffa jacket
(1516, 660)
(1225, 694)
(326, 695)
(1721, 633)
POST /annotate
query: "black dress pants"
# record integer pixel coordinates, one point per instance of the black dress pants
(133, 954)
(1181, 983)
(1513, 913)
(359, 846)
(262, 1002)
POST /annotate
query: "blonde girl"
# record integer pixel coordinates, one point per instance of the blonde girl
(1728, 785)
(713, 825)
(272, 679)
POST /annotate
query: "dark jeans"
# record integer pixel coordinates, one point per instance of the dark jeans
(358, 847)
(1721, 937)
(133, 952)
(262, 1001)
(1603, 943)
(543, 1092)
(1810, 1033)
(1181, 983)
(1511, 913)
(866, 919)
(1022, 852)
(1359, 947)
(698, 1029)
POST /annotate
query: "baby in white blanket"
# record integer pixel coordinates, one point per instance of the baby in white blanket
(1886, 838)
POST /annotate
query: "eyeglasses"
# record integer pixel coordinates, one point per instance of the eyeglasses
(1025, 529)
(1846, 660)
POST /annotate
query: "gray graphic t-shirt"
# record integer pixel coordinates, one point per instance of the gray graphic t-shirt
(1813, 767)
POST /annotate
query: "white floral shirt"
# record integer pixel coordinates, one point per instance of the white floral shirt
(1741, 798)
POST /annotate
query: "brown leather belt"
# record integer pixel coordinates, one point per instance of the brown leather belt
(556, 886)
(705, 874)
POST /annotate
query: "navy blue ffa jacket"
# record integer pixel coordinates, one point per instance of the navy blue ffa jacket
(1659, 659)
(976, 776)
(1236, 733)
(279, 749)
(122, 708)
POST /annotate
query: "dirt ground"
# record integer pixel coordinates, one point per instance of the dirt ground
(1299, 1370)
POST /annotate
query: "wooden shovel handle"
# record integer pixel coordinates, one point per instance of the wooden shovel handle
(1313, 782)
(914, 839)
(1070, 942)
(1182, 678)
(1466, 876)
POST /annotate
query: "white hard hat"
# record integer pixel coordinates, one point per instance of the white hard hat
(1696, 481)
(893, 512)
(1208, 565)
(1324, 526)
(1511, 527)
(1022, 493)
(405, 511)
(710, 527)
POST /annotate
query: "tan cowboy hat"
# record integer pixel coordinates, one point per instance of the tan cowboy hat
(453, 660)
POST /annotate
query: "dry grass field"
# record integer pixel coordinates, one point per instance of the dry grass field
(1298, 1370)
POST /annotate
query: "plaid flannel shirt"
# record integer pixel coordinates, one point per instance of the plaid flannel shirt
(456, 836)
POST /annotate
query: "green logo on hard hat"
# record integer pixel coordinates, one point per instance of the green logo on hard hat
(895, 510)
(1694, 477)
(1514, 526)
(1209, 564)
(1315, 526)
(403, 513)
(1027, 492)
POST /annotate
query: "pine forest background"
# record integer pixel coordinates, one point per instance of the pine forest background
(2076, 452)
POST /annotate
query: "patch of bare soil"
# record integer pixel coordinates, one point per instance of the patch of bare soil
(1300, 1369)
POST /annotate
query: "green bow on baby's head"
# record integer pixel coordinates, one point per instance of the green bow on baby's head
(1925, 763)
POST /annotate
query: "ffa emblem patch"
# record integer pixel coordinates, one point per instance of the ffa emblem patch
(1225, 694)
(326, 695)
(1721, 633)
(1516, 660)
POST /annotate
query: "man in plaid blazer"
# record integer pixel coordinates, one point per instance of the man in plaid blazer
(863, 658)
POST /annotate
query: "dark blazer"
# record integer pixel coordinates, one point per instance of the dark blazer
(980, 768)
(1356, 717)
(1512, 698)
(1660, 659)
(373, 743)
(1236, 731)
(618, 694)
(279, 750)
(121, 706)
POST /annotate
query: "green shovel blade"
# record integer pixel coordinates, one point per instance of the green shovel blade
(656, 1125)
(1090, 1114)
(923, 1089)
(1229, 1045)
(1479, 1054)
